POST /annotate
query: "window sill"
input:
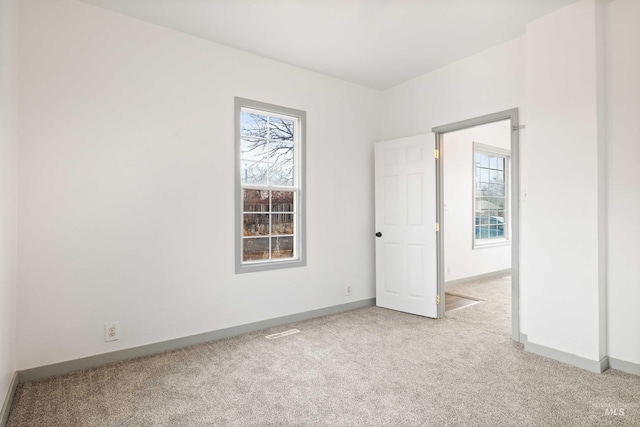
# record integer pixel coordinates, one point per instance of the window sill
(267, 266)
(491, 244)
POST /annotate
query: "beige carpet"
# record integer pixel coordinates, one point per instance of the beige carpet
(367, 367)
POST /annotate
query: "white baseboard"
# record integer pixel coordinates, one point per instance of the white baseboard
(597, 366)
(478, 277)
(8, 400)
(523, 339)
(624, 366)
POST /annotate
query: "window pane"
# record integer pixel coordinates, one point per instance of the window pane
(281, 129)
(253, 173)
(482, 218)
(282, 224)
(497, 189)
(254, 125)
(281, 174)
(281, 152)
(282, 247)
(484, 160)
(254, 149)
(256, 224)
(491, 195)
(254, 249)
(282, 201)
(255, 200)
(493, 162)
(482, 204)
(478, 159)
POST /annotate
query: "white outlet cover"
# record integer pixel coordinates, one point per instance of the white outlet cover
(111, 331)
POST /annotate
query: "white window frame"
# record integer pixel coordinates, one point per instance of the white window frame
(491, 150)
(299, 245)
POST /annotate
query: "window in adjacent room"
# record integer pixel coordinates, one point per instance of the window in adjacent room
(270, 190)
(491, 201)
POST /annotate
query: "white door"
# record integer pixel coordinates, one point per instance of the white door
(406, 257)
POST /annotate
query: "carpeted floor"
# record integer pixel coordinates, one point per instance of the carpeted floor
(367, 367)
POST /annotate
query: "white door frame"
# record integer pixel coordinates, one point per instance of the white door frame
(511, 115)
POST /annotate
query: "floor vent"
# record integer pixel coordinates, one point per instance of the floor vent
(282, 334)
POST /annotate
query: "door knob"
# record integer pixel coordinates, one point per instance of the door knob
(378, 234)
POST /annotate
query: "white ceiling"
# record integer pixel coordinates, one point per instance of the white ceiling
(376, 43)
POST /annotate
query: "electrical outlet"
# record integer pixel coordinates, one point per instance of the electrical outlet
(112, 331)
(347, 291)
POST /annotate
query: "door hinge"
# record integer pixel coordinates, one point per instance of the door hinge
(437, 226)
(438, 299)
(517, 127)
(436, 154)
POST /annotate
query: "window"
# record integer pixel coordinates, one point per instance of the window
(269, 186)
(491, 196)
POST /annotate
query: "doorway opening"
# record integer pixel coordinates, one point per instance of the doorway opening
(477, 211)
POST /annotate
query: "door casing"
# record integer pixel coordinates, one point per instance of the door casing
(512, 115)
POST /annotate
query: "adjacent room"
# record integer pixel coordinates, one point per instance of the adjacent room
(477, 210)
(324, 212)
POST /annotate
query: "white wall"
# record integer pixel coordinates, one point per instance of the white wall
(560, 244)
(125, 159)
(623, 71)
(485, 83)
(7, 198)
(461, 260)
